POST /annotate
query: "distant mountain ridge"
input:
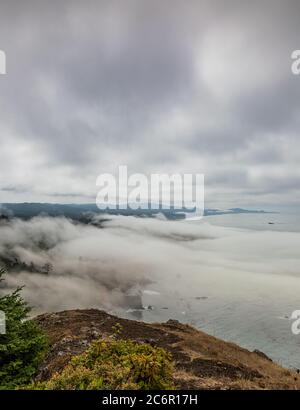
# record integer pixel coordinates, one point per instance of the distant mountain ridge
(82, 212)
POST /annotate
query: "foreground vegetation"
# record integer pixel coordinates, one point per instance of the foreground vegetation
(114, 364)
(107, 364)
(24, 344)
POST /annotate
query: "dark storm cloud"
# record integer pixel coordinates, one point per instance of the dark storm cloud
(199, 86)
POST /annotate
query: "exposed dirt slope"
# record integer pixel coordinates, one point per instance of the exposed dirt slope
(201, 361)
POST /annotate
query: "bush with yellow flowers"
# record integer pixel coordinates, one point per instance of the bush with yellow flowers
(115, 364)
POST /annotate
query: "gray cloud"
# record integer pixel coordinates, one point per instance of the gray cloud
(163, 85)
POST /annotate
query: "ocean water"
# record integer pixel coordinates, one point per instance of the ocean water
(246, 289)
(284, 222)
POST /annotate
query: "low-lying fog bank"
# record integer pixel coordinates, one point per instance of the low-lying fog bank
(66, 265)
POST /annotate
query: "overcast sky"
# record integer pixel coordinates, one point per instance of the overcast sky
(158, 85)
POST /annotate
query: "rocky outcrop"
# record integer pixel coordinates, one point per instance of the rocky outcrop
(201, 361)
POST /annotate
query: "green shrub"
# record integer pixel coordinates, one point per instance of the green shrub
(114, 364)
(24, 344)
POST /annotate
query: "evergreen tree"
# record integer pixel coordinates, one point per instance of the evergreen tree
(23, 345)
